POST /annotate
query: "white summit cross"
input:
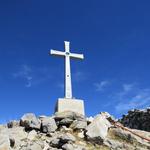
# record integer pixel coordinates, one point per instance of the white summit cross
(67, 54)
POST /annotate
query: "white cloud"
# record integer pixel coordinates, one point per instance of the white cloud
(31, 75)
(79, 76)
(132, 97)
(24, 72)
(101, 85)
(127, 87)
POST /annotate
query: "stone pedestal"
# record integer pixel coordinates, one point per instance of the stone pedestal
(65, 104)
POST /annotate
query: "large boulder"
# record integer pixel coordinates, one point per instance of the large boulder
(29, 121)
(32, 135)
(58, 140)
(67, 118)
(77, 125)
(68, 146)
(48, 125)
(97, 131)
(66, 122)
(64, 138)
(68, 114)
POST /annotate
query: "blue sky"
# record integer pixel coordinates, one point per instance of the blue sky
(113, 36)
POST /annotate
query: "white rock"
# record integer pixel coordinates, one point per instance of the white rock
(68, 146)
(78, 124)
(46, 146)
(97, 130)
(81, 135)
(29, 120)
(64, 129)
(48, 125)
(32, 135)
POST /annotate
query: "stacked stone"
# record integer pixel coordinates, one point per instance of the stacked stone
(137, 119)
(67, 131)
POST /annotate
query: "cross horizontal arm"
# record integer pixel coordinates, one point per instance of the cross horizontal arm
(55, 52)
(77, 56)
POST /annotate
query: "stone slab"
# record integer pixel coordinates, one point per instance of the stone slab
(65, 104)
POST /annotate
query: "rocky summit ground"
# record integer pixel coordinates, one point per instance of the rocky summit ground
(71, 131)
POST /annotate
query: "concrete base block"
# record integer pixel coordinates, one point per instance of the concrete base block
(75, 105)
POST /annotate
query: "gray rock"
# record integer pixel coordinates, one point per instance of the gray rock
(66, 121)
(68, 147)
(48, 125)
(79, 117)
(32, 135)
(13, 124)
(55, 142)
(62, 115)
(95, 136)
(29, 121)
(97, 130)
(61, 139)
(67, 137)
(41, 117)
(65, 129)
(78, 125)
(68, 114)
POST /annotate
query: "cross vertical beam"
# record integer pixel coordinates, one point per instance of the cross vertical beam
(68, 84)
(67, 55)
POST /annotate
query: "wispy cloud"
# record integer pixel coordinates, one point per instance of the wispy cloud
(61, 86)
(31, 75)
(100, 86)
(131, 97)
(128, 87)
(126, 90)
(79, 76)
(24, 72)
